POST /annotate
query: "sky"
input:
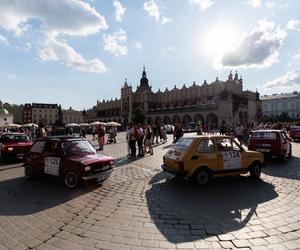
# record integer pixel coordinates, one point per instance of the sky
(75, 52)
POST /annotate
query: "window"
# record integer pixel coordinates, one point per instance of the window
(206, 146)
(52, 147)
(38, 147)
(227, 145)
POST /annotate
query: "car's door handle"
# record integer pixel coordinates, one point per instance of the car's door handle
(195, 157)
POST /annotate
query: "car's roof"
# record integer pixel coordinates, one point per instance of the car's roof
(13, 133)
(268, 130)
(209, 136)
(61, 138)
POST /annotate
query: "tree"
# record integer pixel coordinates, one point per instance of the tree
(139, 116)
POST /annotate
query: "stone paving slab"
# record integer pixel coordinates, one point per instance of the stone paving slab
(141, 207)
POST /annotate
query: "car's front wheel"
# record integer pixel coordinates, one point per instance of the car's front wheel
(202, 177)
(28, 172)
(290, 152)
(71, 179)
(255, 171)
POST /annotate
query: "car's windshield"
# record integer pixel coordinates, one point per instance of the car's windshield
(295, 128)
(15, 138)
(264, 135)
(183, 143)
(77, 148)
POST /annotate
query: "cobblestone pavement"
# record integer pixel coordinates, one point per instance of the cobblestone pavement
(140, 207)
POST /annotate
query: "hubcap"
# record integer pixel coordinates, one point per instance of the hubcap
(71, 180)
(202, 178)
(28, 171)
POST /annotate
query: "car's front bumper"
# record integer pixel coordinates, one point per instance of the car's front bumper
(98, 177)
(172, 170)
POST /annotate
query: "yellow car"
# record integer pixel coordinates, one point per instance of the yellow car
(204, 157)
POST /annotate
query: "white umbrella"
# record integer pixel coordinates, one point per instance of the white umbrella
(113, 124)
(97, 123)
(11, 125)
(29, 125)
(72, 125)
(84, 124)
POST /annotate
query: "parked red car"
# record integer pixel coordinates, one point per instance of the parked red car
(295, 133)
(13, 145)
(68, 158)
(271, 142)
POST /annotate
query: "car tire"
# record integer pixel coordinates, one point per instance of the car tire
(255, 171)
(290, 152)
(202, 177)
(282, 157)
(71, 179)
(28, 172)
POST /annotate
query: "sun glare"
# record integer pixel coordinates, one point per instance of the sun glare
(220, 39)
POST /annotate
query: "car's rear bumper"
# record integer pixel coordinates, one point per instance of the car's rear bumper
(98, 177)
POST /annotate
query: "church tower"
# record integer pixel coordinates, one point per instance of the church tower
(126, 102)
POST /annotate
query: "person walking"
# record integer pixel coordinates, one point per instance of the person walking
(148, 140)
(94, 133)
(101, 134)
(133, 134)
(127, 139)
(140, 140)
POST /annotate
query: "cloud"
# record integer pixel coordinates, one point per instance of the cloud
(138, 45)
(293, 25)
(4, 40)
(12, 76)
(153, 10)
(297, 56)
(288, 80)
(72, 17)
(260, 48)
(53, 19)
(166, 20)
(201, 4)
(255, 3)
(112, 43)
(119, 10)
(57, 51)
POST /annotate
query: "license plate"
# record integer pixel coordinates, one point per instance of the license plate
(101, 178)
(105, 168)
(265, 150)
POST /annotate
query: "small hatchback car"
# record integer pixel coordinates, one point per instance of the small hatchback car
(69, 158)
(271, 143)
(13, 145)
(295, 133)
(203, 157)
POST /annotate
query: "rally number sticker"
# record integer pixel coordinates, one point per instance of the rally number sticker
(232, 159)
(51, 166)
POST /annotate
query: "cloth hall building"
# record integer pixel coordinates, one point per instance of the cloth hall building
(211, 103)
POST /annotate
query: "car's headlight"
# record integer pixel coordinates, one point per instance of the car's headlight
(10, 149)
(87, 168)
(111, 163)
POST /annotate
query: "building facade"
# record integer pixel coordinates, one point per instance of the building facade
(72, 116)
(45, 113)
(277, 104)
(211, 103)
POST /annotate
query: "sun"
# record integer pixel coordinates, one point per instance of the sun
(220, 39)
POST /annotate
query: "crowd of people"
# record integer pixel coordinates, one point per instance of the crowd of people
(142, 137)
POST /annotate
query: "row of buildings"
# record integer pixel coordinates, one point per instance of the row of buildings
(211, 103)
(49, 114)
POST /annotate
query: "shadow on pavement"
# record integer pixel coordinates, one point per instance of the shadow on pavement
(22, 197)
(183, 212)
(290, 169)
